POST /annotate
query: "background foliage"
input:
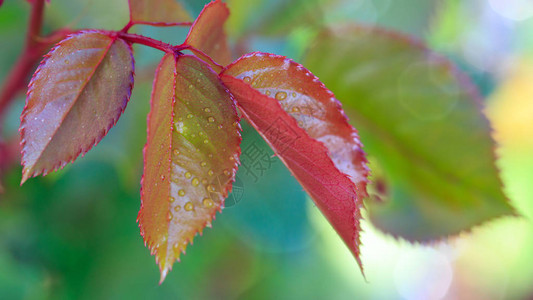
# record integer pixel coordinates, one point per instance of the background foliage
(73, 233)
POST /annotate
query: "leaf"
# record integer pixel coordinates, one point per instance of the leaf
(314, 107)
(207, 33)
(190, 157)
(421, 121)
(307, 159)
(276, 18)
(76, 95)
(157, 12)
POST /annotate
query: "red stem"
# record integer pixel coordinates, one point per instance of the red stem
(143, 40)
(36, 22)
(16, 79)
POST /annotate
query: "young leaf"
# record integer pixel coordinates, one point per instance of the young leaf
(207, 33)
(157, 12)
(76, 95)
(190, 157)
(307, 100)
(308, 159)
(422, 121)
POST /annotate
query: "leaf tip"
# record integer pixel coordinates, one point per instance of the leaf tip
(26, 174)
(164, 272)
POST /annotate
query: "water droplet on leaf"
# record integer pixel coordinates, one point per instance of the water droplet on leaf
(208, 203)
(281, 96)
(189, 206)
(195, 181)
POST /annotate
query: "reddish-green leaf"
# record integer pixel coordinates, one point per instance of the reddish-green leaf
(308, 159)
(315, 108)
(207, 34)
(190, 157)
(157, 12)
(76, 95)
(421, 119)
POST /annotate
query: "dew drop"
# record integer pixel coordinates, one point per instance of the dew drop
(204, 181)
(162, 177)
(226, 172)
(171, 199)
(207, 110)
(169, 216)
(267, 93)
(176, 152)
(189, 116)
(189, 206)
(211, 119)
(188, 175)
(220, 126)
(281, 96)
(190, 86)
(210, 172)
(208, 202)
(211, 188)
(294, 95)
(206, 141)
(179, 127)
(247, 79)
(203, 164)
(195, 181)
(295, 109)
(181, 192)
(177, 208)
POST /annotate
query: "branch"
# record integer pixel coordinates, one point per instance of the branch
(16, 79)
(144, 40)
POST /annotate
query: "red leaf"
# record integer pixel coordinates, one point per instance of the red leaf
(190, 157)
(207, 34)
(313, 106)
(76, 95)
(157, 12)
(307, 159)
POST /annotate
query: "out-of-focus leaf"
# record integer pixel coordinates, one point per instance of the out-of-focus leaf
(421, 120)
(333, 191)
(76, 95)
(275, 17)
(158, 12)
(314, 107)
(190, 157)
(207, 33)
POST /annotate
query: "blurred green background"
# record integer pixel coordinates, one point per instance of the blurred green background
(73, 234)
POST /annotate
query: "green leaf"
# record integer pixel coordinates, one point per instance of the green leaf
(76, 95)
(276, 18)
(191, 156)
(420, 120)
